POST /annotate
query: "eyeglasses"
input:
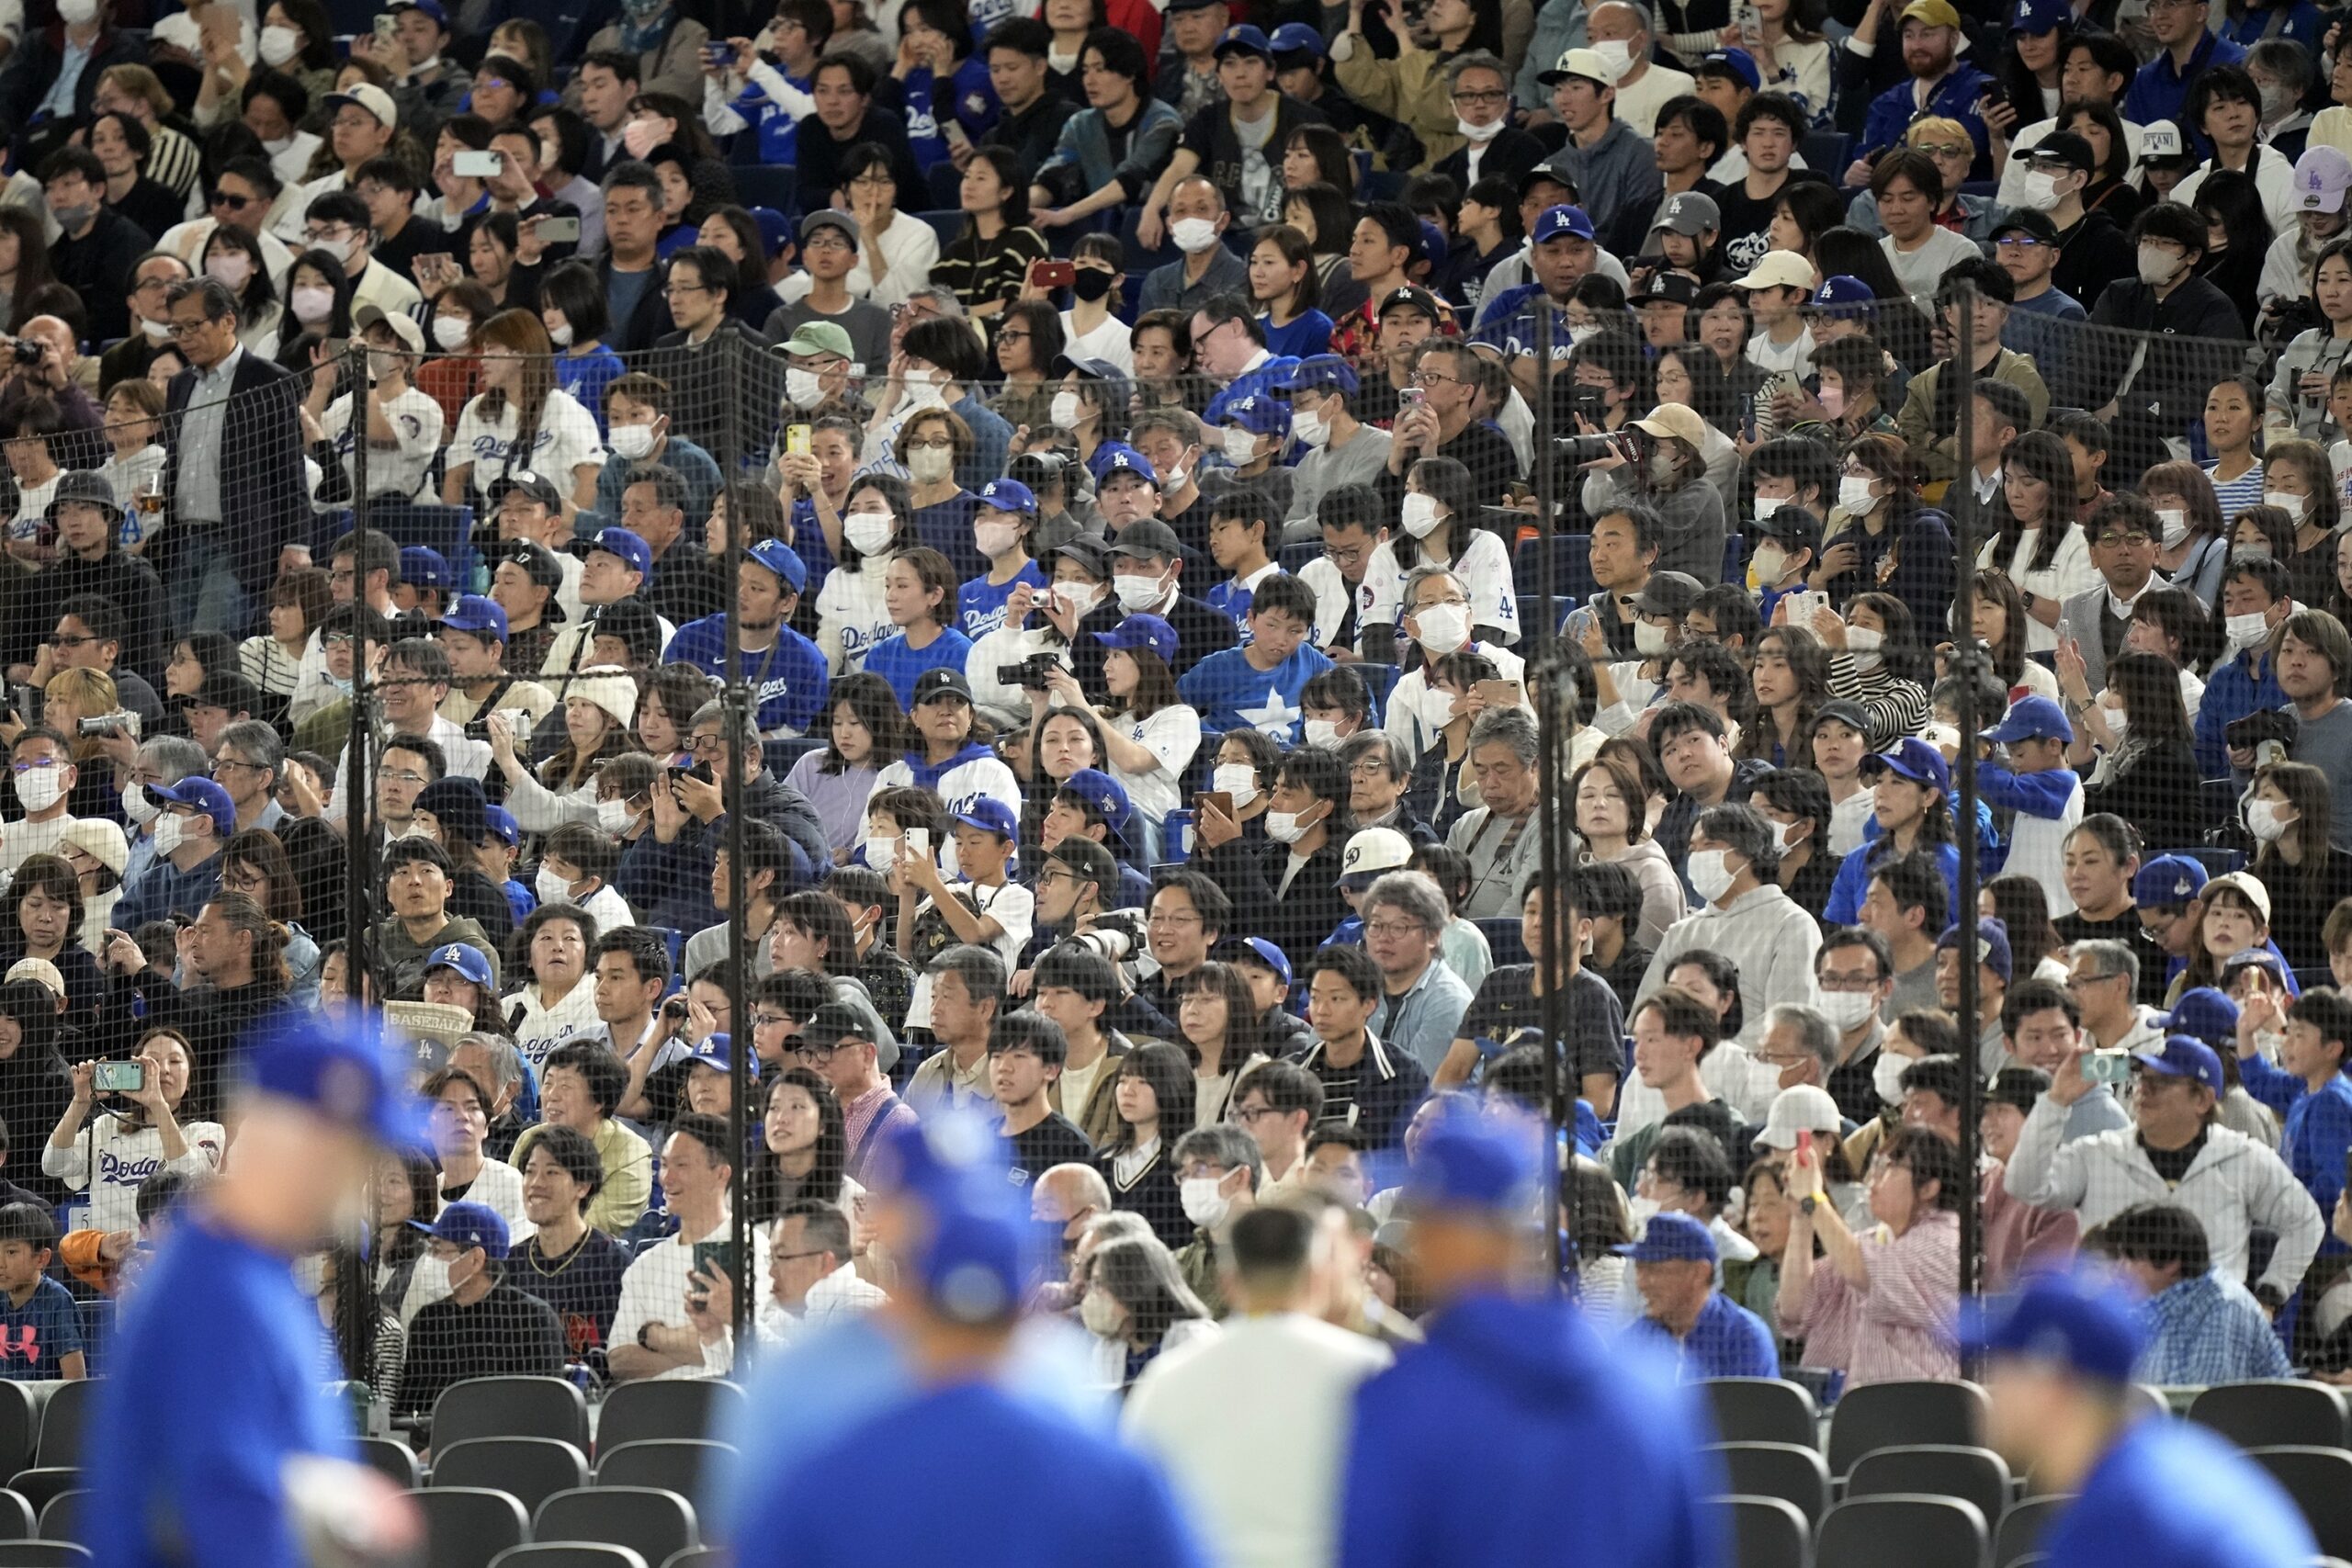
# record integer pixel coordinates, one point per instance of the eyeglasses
(1392, 928)
(68, 639)
(224, 198)
(224, 763)
(2129, 539)
(1481, 99)
(1950, 150)
(1247, 1114)
(28, 767)
(187, 328)
(409, 776)
(814, 1053)
(675, 288)
(1431, 379)
(705, 745)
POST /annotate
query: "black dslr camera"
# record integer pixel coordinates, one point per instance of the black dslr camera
(1030, 673)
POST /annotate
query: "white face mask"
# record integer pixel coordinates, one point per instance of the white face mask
(1284, 828)
(1240, 446)
(77, 13)
(803, 388)
(923, 390)
(2264, 821)
(1865, 644)
(311, 305)
(879, 851)
(1193, 235)
(1137, 592)
(615, 816)
(2157, 265)
(931, 465)
(233, 268)
(1419, 514)
(170, 830)
(550, 887)
(1067, 410)
(632, 442)
(1854, 496)
(1238, 779)
(2118, 723)
(2176, 525)
(1616, 54)
(1101, 1316)
(561, 336)
(1311, 428)
(2244, 631)
(137, 807)
(1886, 1076)
(1172, 480)
(1711, 873)
(1322, 732)
(870, 533)
(2039, 191)
(1203, 1204)
(1847, 1010)
(1082, 597)
(451, 333)
(1766, 508)
(157, 332)
(1785, 835)
(40, 788)
(1444, 627)
(279, 45)
(1771, 563)
(1478, 135)
(995, 538)
(1650, 638)
(2294, 506)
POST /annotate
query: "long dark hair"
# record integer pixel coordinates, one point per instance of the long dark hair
(1243, 1032)
(1898, 325)
(876, 706)
(2023, 909)
(2042, 456)
(823, 1183)
(1808, 662)
(2009, 654)
(1905, 658)
(2149, 684)
(1162, 1066)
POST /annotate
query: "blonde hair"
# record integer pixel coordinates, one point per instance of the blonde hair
(92, 691)
(1935, 126)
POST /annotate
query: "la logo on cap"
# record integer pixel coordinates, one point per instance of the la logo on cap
(2181, 887)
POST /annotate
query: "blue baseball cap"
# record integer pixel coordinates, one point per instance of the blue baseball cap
(1318, 373)
(426, 568)
(780, 559)
(2164, 881)
(430, 8)
(1992, 946)
(201, 793)
(343, 1072)
(1010, 495)
(990, 814)
(466, 1225)
(1472, 1165)
(501, 824)
(718, 1052)
(2181, 1057)
(634, 551)
(1562, 222)
(476, 616)
(1843, 289)
(2031, 718)
(1910, 758)
(2207, 1013)
(1112, 458)
(1103, 796)
(2082, 1320)
(1142, 631)
(1259, 414)
(1244, 38)
(775, 229)
(1671, 1237)
(1297, 37)
(1735, 62)
(2040, 17)
(1433, 243)
(470, 962)
(1258, 949)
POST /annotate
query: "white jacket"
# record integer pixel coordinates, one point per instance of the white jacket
(2235, 1185)
(1767, 936)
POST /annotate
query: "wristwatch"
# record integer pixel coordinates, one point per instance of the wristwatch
(643, 1340)
(1806, 1204)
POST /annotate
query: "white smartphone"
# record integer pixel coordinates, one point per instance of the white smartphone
(1801, 606)
(476, 165)
(919, 841)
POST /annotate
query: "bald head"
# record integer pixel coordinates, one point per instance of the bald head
(1068, 1192)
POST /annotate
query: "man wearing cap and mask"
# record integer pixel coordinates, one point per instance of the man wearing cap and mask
(526, 584)
(484, 1327)
(316, 1108)
(2091, 251)
(2059, 1361)
(785, 668)
(830, 240)
(2043, 319)
(1940, 84)
(1515, 1427)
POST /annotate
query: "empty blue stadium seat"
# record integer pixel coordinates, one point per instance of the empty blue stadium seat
(767, 184)
(1501, 932)
(1380, 680)
(944, 224)
(1735, 559)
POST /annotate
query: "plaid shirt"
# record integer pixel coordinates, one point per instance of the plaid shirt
(2207, 1330)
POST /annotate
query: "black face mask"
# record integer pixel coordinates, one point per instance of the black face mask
(1090, 284)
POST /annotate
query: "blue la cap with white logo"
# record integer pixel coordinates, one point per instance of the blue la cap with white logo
(1103, 796)
(1562, 222)
(470, 963)
(780, 559)
(1259, 414)
(632, 549)
(1319, 373)
(1009, 495)
(1142, 631)
(1114, 459)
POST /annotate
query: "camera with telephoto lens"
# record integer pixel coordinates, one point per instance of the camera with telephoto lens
(1116, 935)
(1578, 450)
(2262, 731)
(1030, 674)
(121, 721)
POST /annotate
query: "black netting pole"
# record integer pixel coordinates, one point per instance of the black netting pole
(1546, 651)
(1968, 661)
(739, 722)
(358, 1324)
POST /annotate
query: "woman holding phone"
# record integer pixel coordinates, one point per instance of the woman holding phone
(138, 1132)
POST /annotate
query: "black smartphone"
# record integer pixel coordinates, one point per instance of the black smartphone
(712, 1259)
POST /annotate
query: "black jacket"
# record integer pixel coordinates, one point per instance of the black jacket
(97, 267)
(120, 576)
(1296, 922)
(262, 486)
(821, 156)
(33, 70)
(1509, 156)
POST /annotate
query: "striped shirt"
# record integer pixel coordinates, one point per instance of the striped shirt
(1903, 1324)
(2235, 495)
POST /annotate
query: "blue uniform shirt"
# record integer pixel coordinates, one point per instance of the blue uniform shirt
(36, 1336)
(979, 604)
(1230, 693)
(194, 1476)
(1954, 97)
(791, 675)
(1308, 334)
(901, 663)
(1727, 1341)
(2171, 1495)
(1517, 1436)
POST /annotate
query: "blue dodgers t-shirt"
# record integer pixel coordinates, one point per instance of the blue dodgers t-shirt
(900, 662)
(36, 1336)
(790, 674)
(1229, 693)
(979, 605)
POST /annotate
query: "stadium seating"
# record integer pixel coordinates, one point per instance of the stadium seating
(1789, 1472)
(1501, 932)
(1901, 1414)
(42, 1554)
(568, 1554)
(60, 1423)
(1763, 1410)
(511, 1407)
(2320, 1481)
(767, 184)
(645, 1412)
(699, 1557)
(16, 1517)
(2282, 1412)
(393, 1459)
(1976, 1475)
(38, 1486)
(19, 1426)
(673, 1464)
(656, 1524)
(1768, 1532)
(1914, 1529)
(57, 1519)
(465, 1527)
(531, 1469)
